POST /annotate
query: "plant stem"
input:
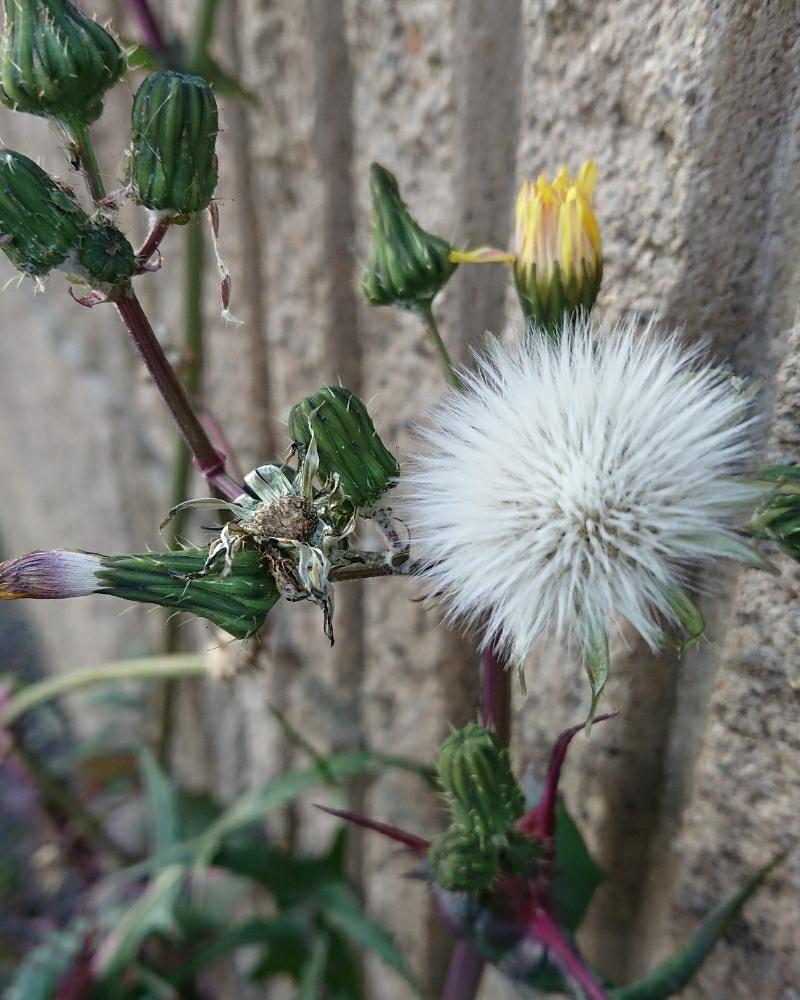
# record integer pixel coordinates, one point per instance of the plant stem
(157, 233)
(425, 313)
(496, 694)
(146, 668)
(208, 460)
(194, 258)
(204, 28)
(464, 976)
(81, 139)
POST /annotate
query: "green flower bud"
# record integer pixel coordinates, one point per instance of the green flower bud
(41, 223)
(347, 443)
(173, 164)
(779, 518)
(481, 790)
(460, 861)
(105, 254)
(55, 61)
(237, 603)
(409, 266)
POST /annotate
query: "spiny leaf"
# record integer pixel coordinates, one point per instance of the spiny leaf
(162, 799)
(671, 976)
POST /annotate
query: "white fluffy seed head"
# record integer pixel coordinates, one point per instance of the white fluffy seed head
(571, 485)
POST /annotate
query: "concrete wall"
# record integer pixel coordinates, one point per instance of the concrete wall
(691, 111)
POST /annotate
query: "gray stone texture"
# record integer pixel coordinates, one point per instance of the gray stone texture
(691, 110)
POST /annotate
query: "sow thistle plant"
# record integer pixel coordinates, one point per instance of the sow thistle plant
(580, 477)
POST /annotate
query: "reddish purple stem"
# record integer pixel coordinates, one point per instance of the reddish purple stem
(152, 243)
(149, 27)
(464, 975)
(543, 928)
(496, 694)
(207, 459)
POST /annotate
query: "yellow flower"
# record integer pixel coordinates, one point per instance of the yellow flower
(557, 259)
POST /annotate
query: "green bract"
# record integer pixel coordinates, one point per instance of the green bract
(480, 788)
(779, 518)
(460, 861)
(237, 602)
(347, 442)
(409, 265)
(173, 163)
(41, 223)
(55, 61)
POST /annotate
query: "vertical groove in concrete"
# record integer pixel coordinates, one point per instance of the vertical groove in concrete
(487, 77)
(333, 141)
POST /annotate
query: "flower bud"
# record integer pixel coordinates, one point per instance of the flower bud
(558, 265)
(55, 61)
(237, 603)
(409, 265)
(105, 254)
(460, 861)
(347, 443)
(481, 790)
(172, 165)
(41, 223)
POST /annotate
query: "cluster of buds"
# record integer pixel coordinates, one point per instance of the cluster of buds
(55, 61)
(495, 872)
(42, 227)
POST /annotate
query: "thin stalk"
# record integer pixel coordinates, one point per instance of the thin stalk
(496, 694)
(204, 28)
(62, 805)
(207, 459)
(425, 313)
(150, 28)
(157, 233)
(464, 975)
(81, 139)
(146, 668)
(194, 259)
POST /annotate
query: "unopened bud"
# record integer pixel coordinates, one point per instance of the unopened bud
(41, 223)
(56, 61)
(105, 254)
(409, 265)
(779, 518)
(460, 861)
(347, 443)
(481, 790)
(172, 167)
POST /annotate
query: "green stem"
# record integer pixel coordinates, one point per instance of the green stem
(204, 28)
(59, 801)
(146, 668)
(81, 139)
(425, 313)
(194, 259)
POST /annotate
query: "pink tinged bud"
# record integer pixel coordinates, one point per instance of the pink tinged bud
(50, 575)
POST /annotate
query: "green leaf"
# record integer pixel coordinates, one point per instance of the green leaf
(162, 800)
(140, 56)
(734, 548)
(226, 84)
(576, 874)
(313, 978)
(342, 911)
(285, 939)
(671, 976)
(281, 791)
(153, 912)
(43, 967)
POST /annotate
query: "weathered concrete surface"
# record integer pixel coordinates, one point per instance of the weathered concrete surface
(691, 110)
